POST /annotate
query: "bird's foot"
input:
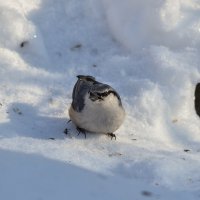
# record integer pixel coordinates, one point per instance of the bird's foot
(81, 130)
(66, 131)
(111, 135)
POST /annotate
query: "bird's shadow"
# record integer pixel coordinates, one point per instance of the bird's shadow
(26, 121)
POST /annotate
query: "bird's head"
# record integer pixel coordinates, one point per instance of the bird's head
(100, 92)
(86, 78)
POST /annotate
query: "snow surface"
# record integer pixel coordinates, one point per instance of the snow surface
(147, 50)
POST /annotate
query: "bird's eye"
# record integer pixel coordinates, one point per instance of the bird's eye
(91, 94)
(105, 94)
(99, 94)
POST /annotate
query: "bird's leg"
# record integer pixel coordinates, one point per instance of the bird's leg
(112, 135)
(81, 130)
(69, 121)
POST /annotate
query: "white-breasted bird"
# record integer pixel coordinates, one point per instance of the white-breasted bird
(96, 107)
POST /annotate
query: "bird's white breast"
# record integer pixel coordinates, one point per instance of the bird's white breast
(99, 116)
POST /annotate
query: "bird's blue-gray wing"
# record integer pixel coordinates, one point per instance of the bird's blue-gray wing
(81, 88)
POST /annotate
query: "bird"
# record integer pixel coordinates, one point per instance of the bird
(96, 107)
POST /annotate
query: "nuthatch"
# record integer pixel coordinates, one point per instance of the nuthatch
(96, 107)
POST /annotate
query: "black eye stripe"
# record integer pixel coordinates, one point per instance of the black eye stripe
(104, 94)
(101, 94)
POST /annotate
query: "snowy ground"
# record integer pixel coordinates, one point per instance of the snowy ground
(148, 51)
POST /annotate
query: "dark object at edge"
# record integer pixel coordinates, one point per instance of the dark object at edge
(197, 99)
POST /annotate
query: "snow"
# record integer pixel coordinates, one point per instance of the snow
(147, 51)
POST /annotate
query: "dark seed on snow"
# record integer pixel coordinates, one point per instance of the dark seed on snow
(23, 44)
(51, 138)
(146, 193)
(66, 131)
(77, 46)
